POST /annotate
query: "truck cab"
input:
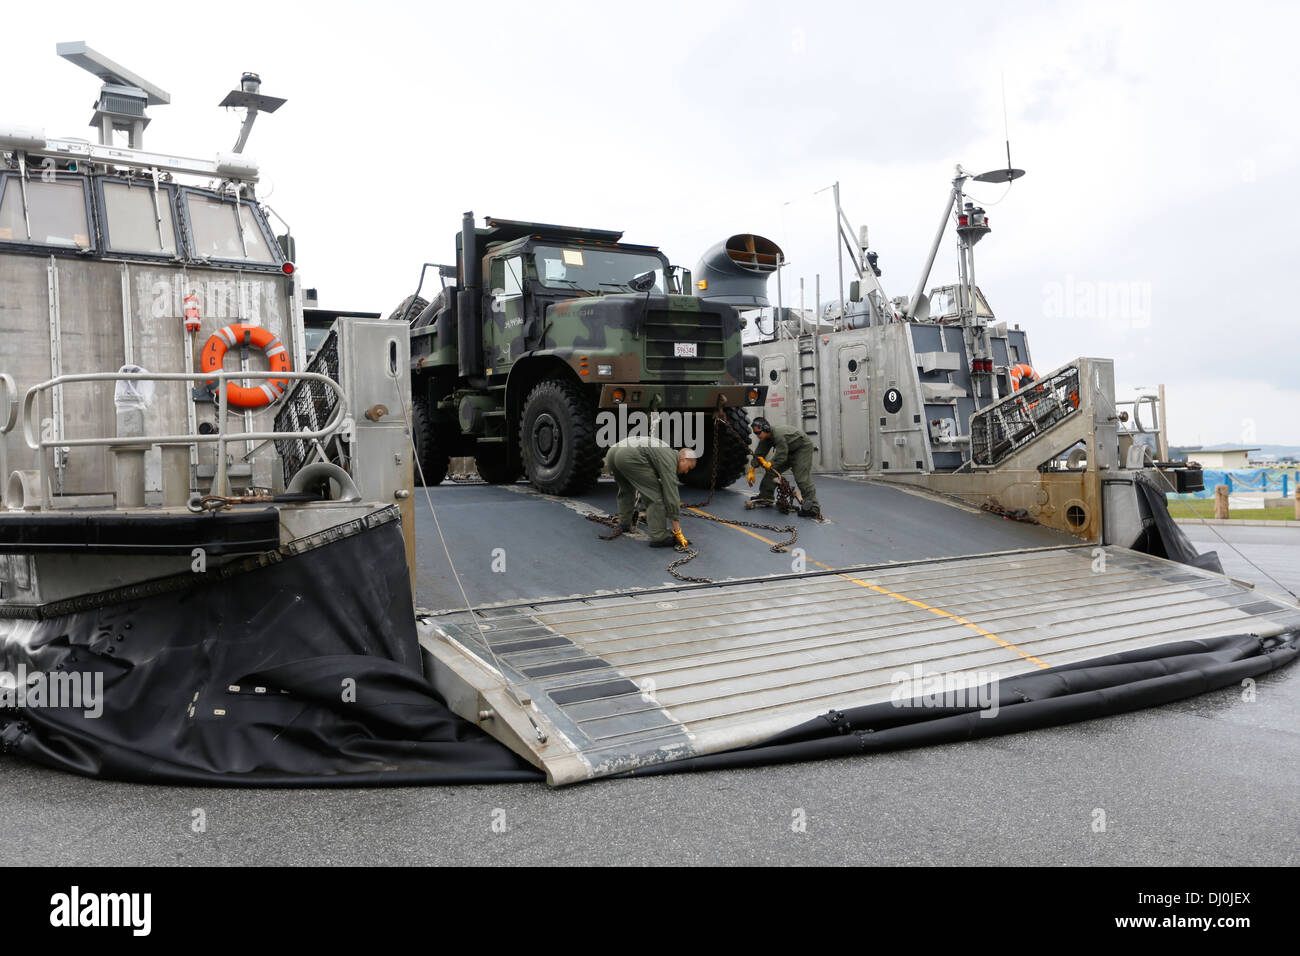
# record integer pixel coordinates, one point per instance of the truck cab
(595, 324)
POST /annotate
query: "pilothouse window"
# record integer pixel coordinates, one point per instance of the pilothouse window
(56, 211)
(217, 231)
(133, 220)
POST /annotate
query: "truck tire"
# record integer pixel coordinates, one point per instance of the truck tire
(557, 439)
(432, 462)
(733, 456)
(492, 468)
(411, 307)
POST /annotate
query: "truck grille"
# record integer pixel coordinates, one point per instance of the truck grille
(664, 330)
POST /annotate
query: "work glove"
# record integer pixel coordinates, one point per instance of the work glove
(681, 539)
(750, 476)
(764, 462)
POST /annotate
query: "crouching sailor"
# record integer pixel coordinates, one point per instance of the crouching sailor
(649, 467)
(781, 447)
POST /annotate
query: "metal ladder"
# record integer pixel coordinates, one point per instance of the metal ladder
(808, 384)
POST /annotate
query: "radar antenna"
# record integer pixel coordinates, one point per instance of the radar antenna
(122, 99)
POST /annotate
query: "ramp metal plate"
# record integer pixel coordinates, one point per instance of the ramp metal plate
(621, 681)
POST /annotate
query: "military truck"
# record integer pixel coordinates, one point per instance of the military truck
(539, 328)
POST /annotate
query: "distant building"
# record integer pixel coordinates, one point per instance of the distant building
(1220, 458)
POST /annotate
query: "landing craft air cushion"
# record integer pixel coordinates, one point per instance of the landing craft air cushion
(234, 566)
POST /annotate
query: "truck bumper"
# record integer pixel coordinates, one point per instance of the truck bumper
(701, 397)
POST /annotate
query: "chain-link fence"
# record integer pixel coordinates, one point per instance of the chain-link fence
(1001, 429)
(308, 407)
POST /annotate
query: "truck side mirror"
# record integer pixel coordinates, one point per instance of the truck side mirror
(642, 283)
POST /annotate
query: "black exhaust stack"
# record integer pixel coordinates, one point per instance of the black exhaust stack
(469, 339)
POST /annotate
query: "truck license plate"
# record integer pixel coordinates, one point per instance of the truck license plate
(685, 350)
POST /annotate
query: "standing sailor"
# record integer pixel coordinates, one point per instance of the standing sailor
(649, 467)
(781, 447)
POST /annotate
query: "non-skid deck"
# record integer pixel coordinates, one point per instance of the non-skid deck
(512, 543)
(620, 681)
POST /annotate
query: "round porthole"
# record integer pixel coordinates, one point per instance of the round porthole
(774, 375)
(853, 365)
(1076, 515)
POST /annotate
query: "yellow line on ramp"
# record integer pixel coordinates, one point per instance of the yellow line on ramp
(955, 618)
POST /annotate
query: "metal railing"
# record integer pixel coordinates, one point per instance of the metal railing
(221, 484)
(1004, 428)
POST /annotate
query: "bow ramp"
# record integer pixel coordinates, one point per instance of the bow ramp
(597, 686)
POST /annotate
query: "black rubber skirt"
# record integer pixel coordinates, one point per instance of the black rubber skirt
(304, 672)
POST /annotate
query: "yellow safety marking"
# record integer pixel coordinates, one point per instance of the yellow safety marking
(955, 618)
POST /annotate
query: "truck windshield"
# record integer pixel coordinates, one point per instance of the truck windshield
(595, 269)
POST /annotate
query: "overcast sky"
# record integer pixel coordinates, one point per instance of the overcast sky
(1156, 225)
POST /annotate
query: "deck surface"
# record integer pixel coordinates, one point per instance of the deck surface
(550, 551)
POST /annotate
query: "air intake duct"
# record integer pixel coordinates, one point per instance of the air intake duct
(735, 272)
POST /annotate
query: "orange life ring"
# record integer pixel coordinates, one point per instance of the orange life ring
(277, 357)
(1021, 375)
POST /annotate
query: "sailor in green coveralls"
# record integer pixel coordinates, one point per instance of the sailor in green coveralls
(781, 447)
(649, 467)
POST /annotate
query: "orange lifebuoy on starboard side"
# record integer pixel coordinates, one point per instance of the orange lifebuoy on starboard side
(277, 357)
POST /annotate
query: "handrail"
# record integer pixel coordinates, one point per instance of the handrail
(10, 413)
(330, 426)
(220, 484)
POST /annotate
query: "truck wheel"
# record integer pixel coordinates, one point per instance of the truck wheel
(432, 462)
(492, 468)
(557, 439)
(732, 455)
(411, 306)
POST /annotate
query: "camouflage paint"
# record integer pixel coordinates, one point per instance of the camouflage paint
(632, 335)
